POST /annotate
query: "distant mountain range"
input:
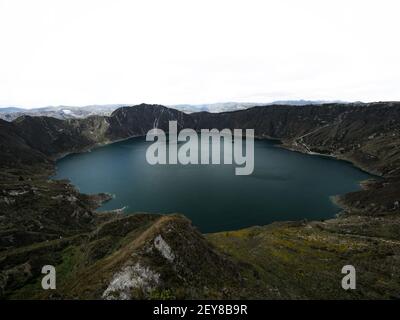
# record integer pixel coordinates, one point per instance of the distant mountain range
(234, 106)
(66, 112)
(59, 112)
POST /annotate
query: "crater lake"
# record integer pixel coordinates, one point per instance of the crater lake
(285, 185)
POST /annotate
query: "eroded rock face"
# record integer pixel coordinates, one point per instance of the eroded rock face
(129, 278)
(164, 248)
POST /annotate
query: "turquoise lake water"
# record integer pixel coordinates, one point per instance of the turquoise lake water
(285, 185)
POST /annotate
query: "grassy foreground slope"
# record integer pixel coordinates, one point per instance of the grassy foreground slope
(304, 260)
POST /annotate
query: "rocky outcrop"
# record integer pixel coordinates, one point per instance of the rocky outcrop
(146, 256)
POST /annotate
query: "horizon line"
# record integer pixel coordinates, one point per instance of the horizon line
(317, 101)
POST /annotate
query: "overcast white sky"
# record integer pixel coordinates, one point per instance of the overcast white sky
(80, 52)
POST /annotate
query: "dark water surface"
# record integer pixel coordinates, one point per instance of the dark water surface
(285, 185)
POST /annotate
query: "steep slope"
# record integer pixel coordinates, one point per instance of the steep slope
(137, 121)
(14, 149)
(54, 137)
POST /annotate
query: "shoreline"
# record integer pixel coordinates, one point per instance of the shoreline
(356, 164)
(60, 156)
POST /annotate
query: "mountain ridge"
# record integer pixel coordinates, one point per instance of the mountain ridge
(10, 113)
